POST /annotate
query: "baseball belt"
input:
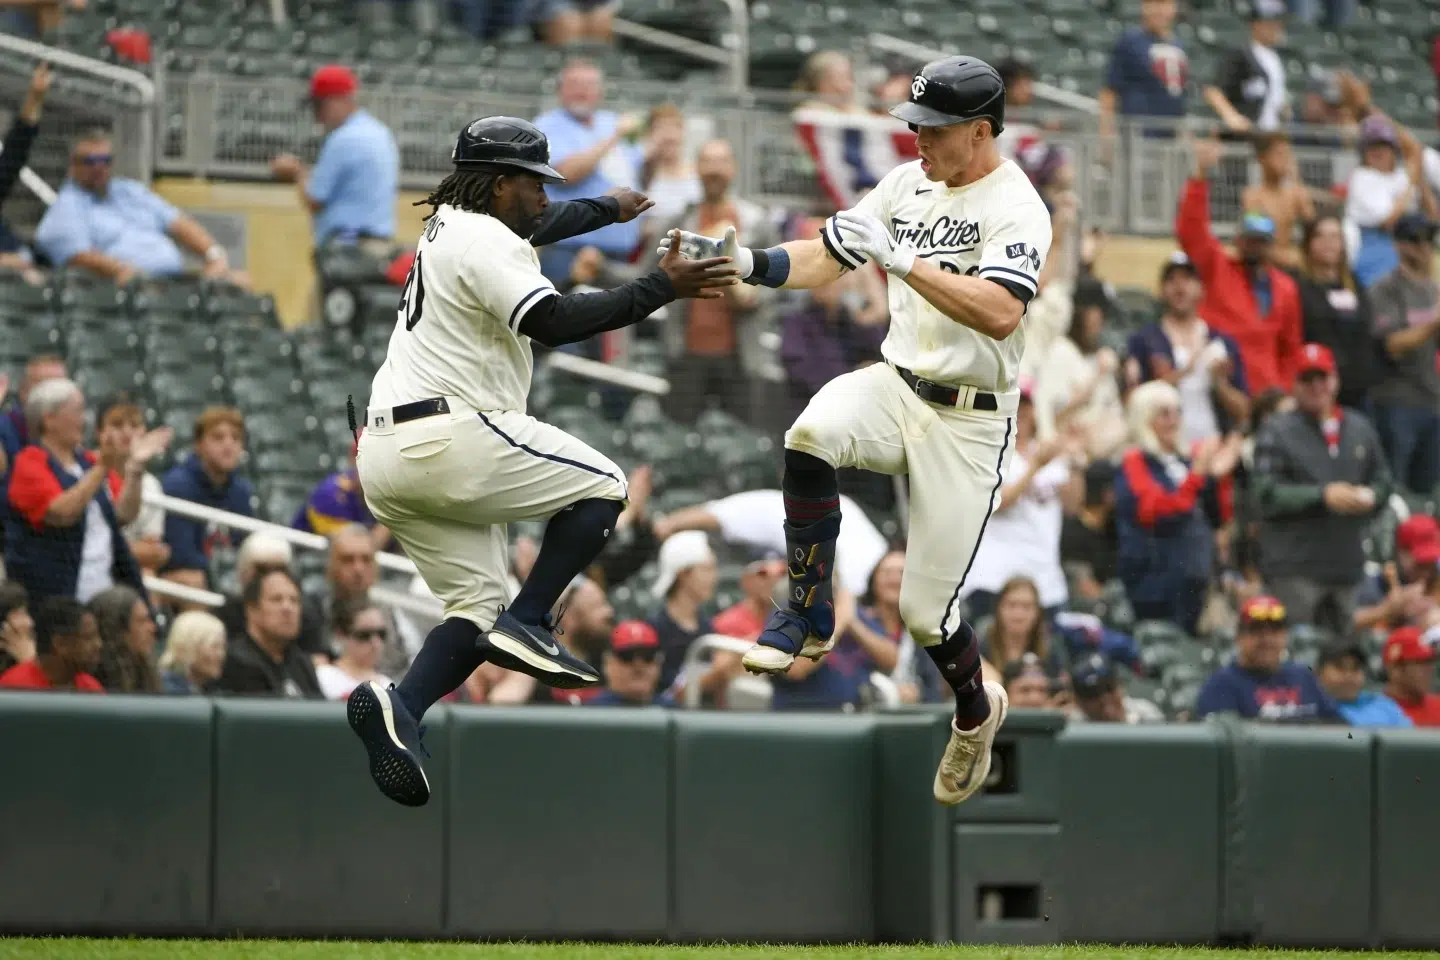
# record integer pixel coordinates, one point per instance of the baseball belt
(966, 398)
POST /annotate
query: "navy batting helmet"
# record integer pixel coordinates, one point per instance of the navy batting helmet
(953, 90)
(505, 142)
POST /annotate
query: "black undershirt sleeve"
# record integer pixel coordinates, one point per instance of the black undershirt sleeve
(1019, 292)
(554, 321)
(564, 219)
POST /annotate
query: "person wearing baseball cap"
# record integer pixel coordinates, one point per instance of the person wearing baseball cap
(1410, 671)
(632, 668)
(1099, 692)
(1260, 683)
(351, 190)
(1320, 476)
(685, 583)
(1396, 595)
(1249, 93)
(1341, 671)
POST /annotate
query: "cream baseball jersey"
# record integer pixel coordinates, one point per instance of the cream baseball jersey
(457, 333)
(996, 227)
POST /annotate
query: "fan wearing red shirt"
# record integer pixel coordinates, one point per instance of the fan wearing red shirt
(1410, 666)
(67, 649)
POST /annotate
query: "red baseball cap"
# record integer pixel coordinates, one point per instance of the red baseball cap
(1419, 536)
(333, 80)
(1264, 610)
(634, 635)
(1407, 645)
(1316, 357)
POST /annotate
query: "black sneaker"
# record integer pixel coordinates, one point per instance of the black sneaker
(533, 649)
(392, 738)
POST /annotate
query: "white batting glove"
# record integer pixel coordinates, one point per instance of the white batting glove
(694, 246)
(865, 234)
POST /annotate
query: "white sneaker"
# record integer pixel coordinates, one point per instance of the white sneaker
(966, 762)
(815, 648)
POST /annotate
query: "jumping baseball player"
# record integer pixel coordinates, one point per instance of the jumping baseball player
(962, 234)
(448, 455)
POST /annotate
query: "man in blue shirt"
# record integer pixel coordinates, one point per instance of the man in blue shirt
(1341, 670)
(1148, 71)
(591, 149)
(1260, 684)
(351, 190)
(208, 477)
(118, 227)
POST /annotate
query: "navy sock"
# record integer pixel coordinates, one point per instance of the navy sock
(574, 537)
(810, 489)
(958, 658)
(451, 653)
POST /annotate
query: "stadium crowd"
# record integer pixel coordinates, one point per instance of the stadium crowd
(1222, 468)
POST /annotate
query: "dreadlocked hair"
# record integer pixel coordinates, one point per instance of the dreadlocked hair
(465, 190)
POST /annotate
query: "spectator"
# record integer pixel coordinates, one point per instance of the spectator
(1149, 69)
(67, 650)
(1280, 195)
(1337, 310)
(336, 502)
(361, 631)
(632, 668)
(565, 22)
(1246, 296)
(1019, 627)
(210, 476)
(916, 675)
(14, 431)
(1088, 537)
(823, 337)
(1330, 14)
(1028, 683)
(265, 660)
(118, 228)
(1410, 669)
(1381, 191)
(127, 642)
(585, 625)
(120, 423)
(1260, 684)
(259, 552)
(194, 653)
(1407, 321)
(1396, 597)
(1076, 386)
(1165, 507)
(14, 255)
(1341, 670)
(32, 19)
(350, 571)
(841, 678)
(65, 538)
(17, 627)
(746, 618)
(666, 174)
(828, 82)
(1249, 90)
(1046, 164)
(685, 583)
(710, 339)
(1099, 692)
(1040, 480)
(1319, 479)
(592, 149)
(352, 189)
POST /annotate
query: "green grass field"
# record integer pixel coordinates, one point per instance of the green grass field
(74, 949)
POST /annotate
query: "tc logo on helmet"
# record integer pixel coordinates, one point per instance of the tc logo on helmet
(917, 88)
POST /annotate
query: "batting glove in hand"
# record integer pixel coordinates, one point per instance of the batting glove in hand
(866, 235)
(693, 246)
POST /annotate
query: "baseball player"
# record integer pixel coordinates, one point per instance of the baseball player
(448, 455)
(962, 234)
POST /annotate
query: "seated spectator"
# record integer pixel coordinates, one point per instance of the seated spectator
(840, 679)
(120, 423)
(746, 618)
(127, 642)
(584, 628)
(14, 431)
(1088, 537)
(1337, 310)
(1341, 670)
(336, 502)
(1380, 191)
(1396, 597)
(67, 650)
(1280, 195)
(17, 627)
(1410, 672)
(1019, 627)
(1246, 296)
(667, 176)
(684, 585)
(360, 630)
(1023, 534)
(1076, 385)
(632, 668)
(1028, 684)
(823, 337)
(1183, 350)
(1406, 398)
(1165, 508)
(1149, 69)
(259, 552)
(210, 476)
(352, 189)
(14, 255)
(1260, 684)
(119, 228)
(265, 660)
(350, 571)
(194, 654)
(566, 22)
(828, 82)
(1099, 692)
(916, 675)
(65, 536)
(1319, 480)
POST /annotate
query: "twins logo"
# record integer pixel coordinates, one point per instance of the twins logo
(917, 88)
(1021, 251)
(944, 235)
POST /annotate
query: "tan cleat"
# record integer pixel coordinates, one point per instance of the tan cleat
(966, 762)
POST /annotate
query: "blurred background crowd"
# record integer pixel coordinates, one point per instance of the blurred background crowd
(1222, 497)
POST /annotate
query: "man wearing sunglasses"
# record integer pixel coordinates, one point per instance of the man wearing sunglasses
(1260, 683)
(632, 668)
(119, 228)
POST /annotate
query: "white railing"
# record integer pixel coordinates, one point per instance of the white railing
(179, 591)
(607, 373)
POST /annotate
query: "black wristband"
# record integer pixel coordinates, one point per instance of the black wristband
(760, 268)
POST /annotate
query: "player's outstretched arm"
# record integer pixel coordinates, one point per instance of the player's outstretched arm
(797, 265)
(564, 219)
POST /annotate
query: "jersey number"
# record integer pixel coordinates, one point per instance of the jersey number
(949, 267)
(412, 299)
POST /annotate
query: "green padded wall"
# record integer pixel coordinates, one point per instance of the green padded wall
(560, 822)
(105, 814)
(1012, 870)
(774, 827)
(1140, 849)
(912, 845)
(1022, 787)
(1407, 836)
(305, 844)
